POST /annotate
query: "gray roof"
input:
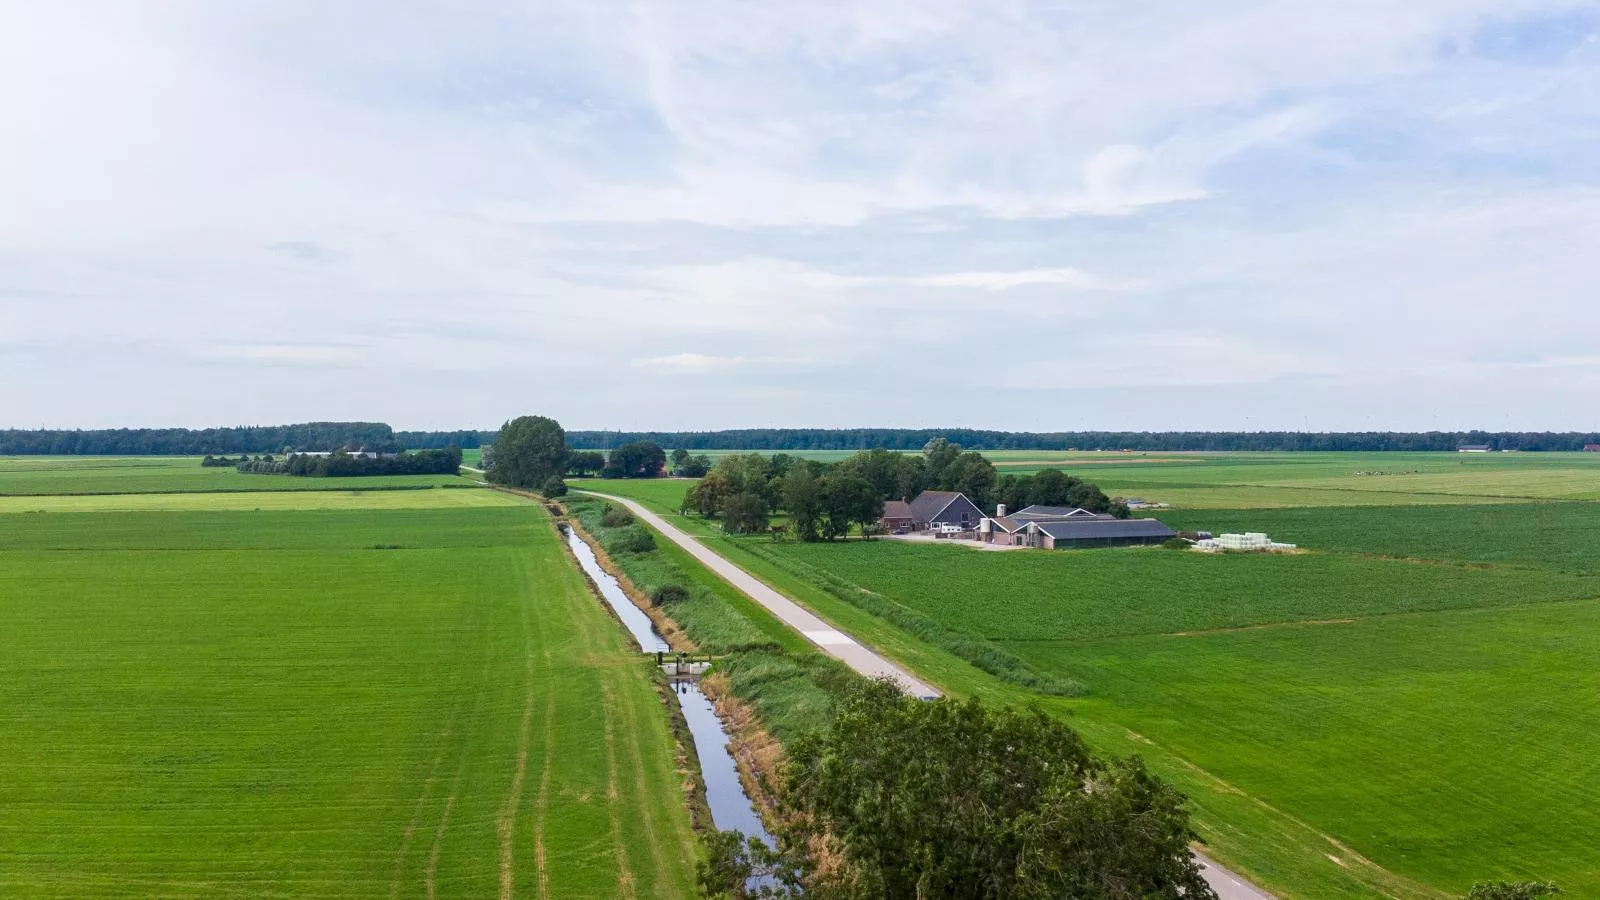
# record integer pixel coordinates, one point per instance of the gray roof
(1091, 529)
(1041, 513)
(1004, 523)
(930, 503)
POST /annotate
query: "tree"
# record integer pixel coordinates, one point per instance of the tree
(971, 474)
(528, 452)
(695, 466)
(957, 799)
(553, 487)
(938, 455)
(1509, 890)
(893, 475)
(582, 462)
(708, 496)
(678, 457)
(745, 513)
(802, 497)
(640, 459)
(1050, 488)
(847, 499)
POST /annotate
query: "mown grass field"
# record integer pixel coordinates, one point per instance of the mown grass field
(1410, 706)
(34, 475)
(323, 703)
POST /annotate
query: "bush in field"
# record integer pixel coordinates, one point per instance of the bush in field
(637, 539)
(668, 594)
(1506, 890)
(554, 487)
(616, 517)
(1176, 543)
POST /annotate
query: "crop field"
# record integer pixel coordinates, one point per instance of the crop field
(355, 702)
(31, 475)
(1410, 705)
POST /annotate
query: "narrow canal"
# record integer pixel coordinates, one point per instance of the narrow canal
(730, 805)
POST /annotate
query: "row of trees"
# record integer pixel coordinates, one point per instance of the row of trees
(343, 465)
(824, 501)
(781, 439)
(275, 439)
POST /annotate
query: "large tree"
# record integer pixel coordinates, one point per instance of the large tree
(958, 799)
(640, 459)
(528, 452)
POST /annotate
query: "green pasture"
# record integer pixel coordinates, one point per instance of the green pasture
(323, 703)
(390, 498)
(33, 475)
(1446, 746)
(1406, 708)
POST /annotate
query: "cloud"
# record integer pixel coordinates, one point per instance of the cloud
(1253, 204)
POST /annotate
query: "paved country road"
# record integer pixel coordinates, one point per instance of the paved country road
(857, 656)
(830, 640)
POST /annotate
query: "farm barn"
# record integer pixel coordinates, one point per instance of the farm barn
(1098, 532)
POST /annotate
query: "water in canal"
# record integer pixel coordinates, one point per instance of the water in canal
(730, 806)
(633, 618)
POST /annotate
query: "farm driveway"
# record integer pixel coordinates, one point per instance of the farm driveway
(835, 643)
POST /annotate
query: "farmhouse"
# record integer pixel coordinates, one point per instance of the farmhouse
(897, 516)
(933, 509)
(1591, 448)
(1475, 448)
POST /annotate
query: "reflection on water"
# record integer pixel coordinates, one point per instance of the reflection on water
(730, 806)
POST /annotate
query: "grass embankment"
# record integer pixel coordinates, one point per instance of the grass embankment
(1439, 737)
(268, 704)
(88, 475)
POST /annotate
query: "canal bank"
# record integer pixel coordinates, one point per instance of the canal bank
(723, 790)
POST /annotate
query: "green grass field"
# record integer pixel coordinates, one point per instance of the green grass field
(1406, 708)
(202, 702)
(32, 475)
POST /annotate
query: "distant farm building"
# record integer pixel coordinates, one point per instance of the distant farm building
(1061, 527)
(1591, 448)
(1475, 448)
(941, 511)
(897, 516)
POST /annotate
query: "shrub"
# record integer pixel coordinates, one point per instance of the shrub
(554, 487)
(1176, 543)
(637, 539)
(616, 517)
(668, 594)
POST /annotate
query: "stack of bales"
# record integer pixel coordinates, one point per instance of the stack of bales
(1249, 541)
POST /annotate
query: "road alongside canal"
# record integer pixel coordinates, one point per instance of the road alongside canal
(859, 657)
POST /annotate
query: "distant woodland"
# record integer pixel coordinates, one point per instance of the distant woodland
(774, 439)
(378, 437)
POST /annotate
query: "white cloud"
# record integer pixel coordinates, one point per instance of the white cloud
(479, 202)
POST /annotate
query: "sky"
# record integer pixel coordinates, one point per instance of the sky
(1074, 215)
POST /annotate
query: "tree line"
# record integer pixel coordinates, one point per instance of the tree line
(344, 465)
(790, 439)
(195, 442)
(824, 501)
